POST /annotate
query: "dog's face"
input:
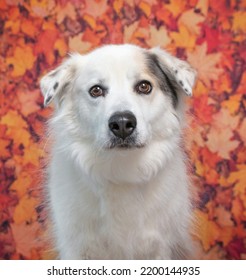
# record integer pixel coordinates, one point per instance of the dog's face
(120, 96)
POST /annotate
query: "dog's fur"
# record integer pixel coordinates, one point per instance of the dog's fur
(113, 198)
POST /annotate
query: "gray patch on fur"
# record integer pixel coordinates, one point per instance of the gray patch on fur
(55, 85)
(166, 83)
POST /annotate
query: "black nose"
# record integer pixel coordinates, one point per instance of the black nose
(122, 124)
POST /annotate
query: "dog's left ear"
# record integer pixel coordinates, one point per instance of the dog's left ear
(56, 82)
(178, 71)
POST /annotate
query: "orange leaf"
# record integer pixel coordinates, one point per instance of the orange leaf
(202, 109)
(28, 101)
(223, 217)
(237, 209)
(211, 159)
(90, 36)
(45, 45)
(224, 120)
(226, 235)
(215, 253)
(224, 197)
(242, 131)
(14, 20)
(4, 151)
(96, 8)
(28, 27)
(21, 184)
(208, 231)
(220, 141)
(26, 238)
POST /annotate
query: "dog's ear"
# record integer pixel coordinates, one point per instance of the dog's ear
(178, 71)
(57, 82)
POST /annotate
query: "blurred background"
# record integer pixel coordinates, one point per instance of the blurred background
(36, 35)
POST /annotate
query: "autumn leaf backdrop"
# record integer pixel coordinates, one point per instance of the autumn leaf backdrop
(37, 34)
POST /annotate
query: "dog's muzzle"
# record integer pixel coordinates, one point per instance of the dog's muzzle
(122, 124)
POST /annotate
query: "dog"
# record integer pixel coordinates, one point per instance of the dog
(117, 179)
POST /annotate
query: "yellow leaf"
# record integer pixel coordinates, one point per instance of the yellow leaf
(176, 7)
(90, 20)
(237, 209)
(202, 5)
(67, 11)
(233, 103)
(158, 37)
(205, 64)
(25, 210)
(16, 128)
(183, 38)
(191, 21)
(33, 155)
(13, 25)
(77, 45)
(13, 119)
(239, 177)
(22, 60)
(239, 21)
(61, 46)
(200, 88)
(129, 32)
(118, 5)
(145, 7)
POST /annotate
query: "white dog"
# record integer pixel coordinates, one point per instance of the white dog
(117, 181)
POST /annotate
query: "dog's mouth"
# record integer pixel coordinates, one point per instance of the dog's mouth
(128, 143)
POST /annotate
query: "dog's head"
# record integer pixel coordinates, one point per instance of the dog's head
(119, 96)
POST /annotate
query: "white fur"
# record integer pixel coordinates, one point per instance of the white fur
(117, 203)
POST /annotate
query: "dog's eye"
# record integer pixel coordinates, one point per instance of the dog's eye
(144, 87)
(97, 91)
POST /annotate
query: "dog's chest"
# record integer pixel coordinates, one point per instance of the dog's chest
(125, 226)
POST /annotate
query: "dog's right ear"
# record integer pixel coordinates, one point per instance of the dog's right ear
(57, 82)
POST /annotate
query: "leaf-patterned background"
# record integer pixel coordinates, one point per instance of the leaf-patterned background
(37, 34)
